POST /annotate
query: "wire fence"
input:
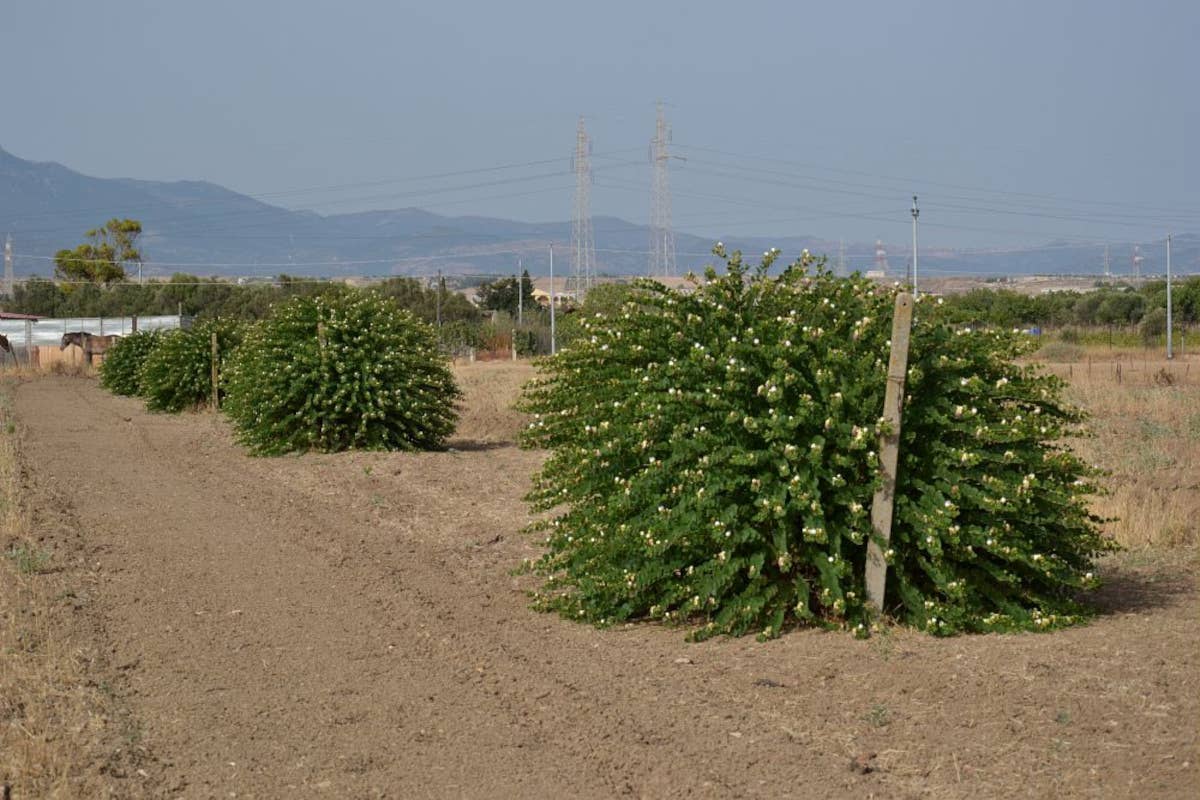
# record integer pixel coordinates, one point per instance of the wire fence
(38, 343)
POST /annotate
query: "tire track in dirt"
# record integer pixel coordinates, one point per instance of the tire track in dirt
(347, 625)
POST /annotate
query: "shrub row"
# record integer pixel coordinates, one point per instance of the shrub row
(329, 372)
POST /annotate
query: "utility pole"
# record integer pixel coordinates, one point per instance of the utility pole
(1170, 349)
(916, 212)
(1107, 268)
(9, 281)
(553, 340)
(520, 293)
(439, 298)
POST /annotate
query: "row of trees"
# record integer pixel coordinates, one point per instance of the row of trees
(92, 281)
(211, 297)
(1116, 304)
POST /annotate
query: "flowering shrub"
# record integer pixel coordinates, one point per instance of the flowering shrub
(177, 373)
(123, 361)
(338, 371)
(713, 460)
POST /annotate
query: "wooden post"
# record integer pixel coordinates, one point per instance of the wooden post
(216, 390)
(889, 452)
(514, 344)
(29, 343)
(133, 323)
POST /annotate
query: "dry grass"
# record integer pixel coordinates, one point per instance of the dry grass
(1146, 435)
(1145, 424)
(56, 723)
(61, 367)
(489, 390)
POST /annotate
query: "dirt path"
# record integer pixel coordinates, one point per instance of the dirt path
(348, 626)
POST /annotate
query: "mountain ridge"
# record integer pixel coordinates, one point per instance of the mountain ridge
(204, 228)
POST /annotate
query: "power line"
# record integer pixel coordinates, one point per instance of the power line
(909, 181)
(337, 187)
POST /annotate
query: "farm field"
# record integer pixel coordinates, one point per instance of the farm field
(348, 626)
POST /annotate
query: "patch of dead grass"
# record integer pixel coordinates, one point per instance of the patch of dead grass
(56, 722)
(1146, 435)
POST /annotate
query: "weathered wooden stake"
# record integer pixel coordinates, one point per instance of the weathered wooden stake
(889, 452)
(514, 344)
(216, 396)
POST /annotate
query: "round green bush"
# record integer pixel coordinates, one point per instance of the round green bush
(339, 371)
(713, 460)
(177, 374)
(123, 362)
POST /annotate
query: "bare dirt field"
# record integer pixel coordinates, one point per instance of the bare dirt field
(348, 626)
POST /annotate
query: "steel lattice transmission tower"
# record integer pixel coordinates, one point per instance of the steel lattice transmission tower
(583, 240)
(662, 238)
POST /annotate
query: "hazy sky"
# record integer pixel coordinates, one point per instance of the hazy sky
(1016, 122)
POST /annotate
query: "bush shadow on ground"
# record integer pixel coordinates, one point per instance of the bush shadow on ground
(1131, 587)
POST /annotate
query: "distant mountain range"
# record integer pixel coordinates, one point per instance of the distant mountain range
(205, 229)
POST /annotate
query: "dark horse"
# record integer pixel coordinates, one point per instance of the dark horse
(90, 343)
(4, 345)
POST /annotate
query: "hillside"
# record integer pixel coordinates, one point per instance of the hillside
(200, 227)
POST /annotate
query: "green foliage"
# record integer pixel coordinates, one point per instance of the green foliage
(712, 461)
(338, 371)
(1117, 304)
(177, 374)
(121, 371)
(508, 294)
(101, 259)
(37, 296)
(605, 299)
(423, 301)
(1153, 325)
(459, 335)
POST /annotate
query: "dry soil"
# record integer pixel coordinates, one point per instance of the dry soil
(348, 626)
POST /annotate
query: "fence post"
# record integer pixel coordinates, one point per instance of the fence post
(889, 452)
(29, 343)
(514, 344)
(216, 394)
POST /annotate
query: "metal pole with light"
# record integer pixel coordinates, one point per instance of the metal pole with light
(916, 212)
